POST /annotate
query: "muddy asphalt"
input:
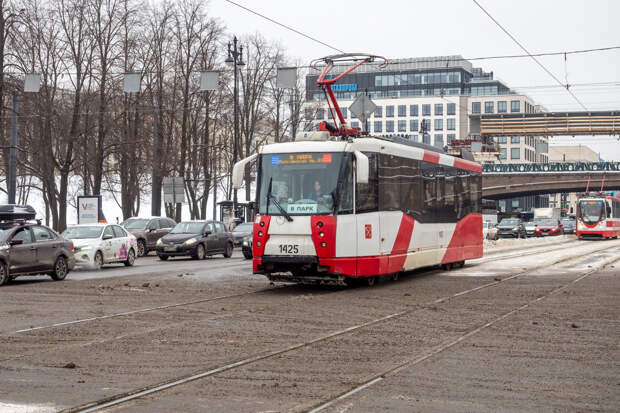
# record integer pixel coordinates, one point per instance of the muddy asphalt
(537, 332)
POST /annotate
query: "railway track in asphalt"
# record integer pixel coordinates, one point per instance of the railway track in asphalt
(138, 393)
(236, 295)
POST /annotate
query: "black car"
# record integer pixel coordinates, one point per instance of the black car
(29, 248)
(196, 239)
(147, 231)
(242, 232)
(246, 247)
(511, 227)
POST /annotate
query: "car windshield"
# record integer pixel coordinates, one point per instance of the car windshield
(135, 223)
(82, 232)
(591, 211)
(568, 222)
(305, 183)
(245, 227)
(188, 228)
(509, 222)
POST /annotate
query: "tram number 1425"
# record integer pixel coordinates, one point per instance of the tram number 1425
(289, 249)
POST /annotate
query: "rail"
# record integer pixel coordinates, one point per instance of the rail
(552, 167)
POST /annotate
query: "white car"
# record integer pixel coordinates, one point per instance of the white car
(98, 244)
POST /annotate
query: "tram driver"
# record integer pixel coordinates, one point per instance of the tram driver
(317, 193)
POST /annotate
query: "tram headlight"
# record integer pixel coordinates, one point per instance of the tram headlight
(321, 234)
(323, 244)
(260, 233)
(258, 243)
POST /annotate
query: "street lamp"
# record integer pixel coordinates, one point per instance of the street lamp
(235, 59)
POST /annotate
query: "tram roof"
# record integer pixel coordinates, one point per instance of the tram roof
(373, 144)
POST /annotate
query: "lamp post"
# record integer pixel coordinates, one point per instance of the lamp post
(235, 59)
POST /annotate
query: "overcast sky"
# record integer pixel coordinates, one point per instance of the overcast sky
(405, 28)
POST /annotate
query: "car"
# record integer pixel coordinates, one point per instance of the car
(246, 247)
(98, 244)
(147, 231)
(530, 226)
(241, 232)
(196, 239)
(570, 225)
(29, 248)
(511, 227)
(549, 227)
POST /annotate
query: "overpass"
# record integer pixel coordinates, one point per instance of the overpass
(547, 124)
(501, 181)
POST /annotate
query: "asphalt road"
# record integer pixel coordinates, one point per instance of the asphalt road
(529, 331)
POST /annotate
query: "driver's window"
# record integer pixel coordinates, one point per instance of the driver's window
(108, 231)
(24, 235)
(209, 228)
(154, 224)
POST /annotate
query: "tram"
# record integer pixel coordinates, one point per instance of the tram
(340, 206)
(598, 217)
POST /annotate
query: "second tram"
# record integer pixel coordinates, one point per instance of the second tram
(598, 217)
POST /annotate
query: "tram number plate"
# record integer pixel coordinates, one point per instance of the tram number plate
(289, 249)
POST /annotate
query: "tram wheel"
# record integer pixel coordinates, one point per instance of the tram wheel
(370, 281)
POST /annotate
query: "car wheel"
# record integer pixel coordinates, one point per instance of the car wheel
(60, 269)
(4, 274)
(247, 254)
(163, 257)
(228, 251)
(131, 258)
(141, 248)
(98, 261)
(200, 252)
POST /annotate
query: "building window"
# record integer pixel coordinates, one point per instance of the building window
(501, 106)
(438, 109)
(451, 124)
(308, 114)
(402, 110)
(451, 109)
(515, 153)
(413, 125)
(426, 110)
(320, 114)
(379, 112)
(438, 124)
(502, 153)
(515, 106)
(413, 110)
(501, 139)
(402, 125)
(515, 203)
(515, 139)
(451, 137)
(344, 112)
(389, 125)
(414, 138)
(426, 138)
(488, 107)
(378, 126)
(438, 140)
(355, 124)
(475, 107)
(389, 111)
(426, 124)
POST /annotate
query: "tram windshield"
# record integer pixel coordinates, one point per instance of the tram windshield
(309, 183)
(591, 212)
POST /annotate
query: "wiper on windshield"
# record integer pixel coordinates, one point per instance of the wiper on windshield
(276, 203)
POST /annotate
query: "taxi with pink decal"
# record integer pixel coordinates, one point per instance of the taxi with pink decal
(97, 244)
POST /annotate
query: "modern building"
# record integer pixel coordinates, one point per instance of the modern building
(575, 154)
(434, 100)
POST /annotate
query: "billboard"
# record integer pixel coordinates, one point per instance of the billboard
(89, 209)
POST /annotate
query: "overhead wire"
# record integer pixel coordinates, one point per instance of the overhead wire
(530, 54)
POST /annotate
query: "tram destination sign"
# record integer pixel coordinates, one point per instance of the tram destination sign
(301, 158)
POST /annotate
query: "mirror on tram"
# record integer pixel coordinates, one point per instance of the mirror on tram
(361, 162)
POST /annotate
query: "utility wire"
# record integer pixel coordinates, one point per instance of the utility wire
(284, 25)
(532, 56)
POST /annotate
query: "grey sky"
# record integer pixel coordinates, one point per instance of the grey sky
(401, 28)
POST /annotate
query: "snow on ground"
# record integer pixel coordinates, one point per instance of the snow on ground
(512, 243)
(25, 408)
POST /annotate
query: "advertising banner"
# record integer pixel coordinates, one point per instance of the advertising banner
(89, 209)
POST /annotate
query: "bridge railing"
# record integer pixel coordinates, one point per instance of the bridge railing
(552, 167)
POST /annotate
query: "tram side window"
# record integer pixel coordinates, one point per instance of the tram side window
(400, 185)
(430, 192)
(389, 185)
(367, 195)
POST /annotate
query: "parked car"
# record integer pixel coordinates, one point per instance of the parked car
(549, 227)
(29, 248)
(246, 247)
(241, 232)
(147, 231)
(569, 225)
(98, 244)
(196, 239)
(511, 227)
(489, 230)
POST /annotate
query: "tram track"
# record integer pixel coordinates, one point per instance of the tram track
(136, 394)
(392, 371)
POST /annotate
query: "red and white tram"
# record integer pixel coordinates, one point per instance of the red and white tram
(598, 217)
(339, 206)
